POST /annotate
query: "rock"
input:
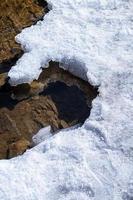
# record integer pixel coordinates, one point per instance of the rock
(20, 119)
(3, 149)
(7, 123)
(58, 99)
(26, 90)
(18, 147)
(55, 73)
(64, 124)
(3, 77)
(14, 16)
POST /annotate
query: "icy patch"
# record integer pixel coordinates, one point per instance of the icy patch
(42, 135)
(96, 160)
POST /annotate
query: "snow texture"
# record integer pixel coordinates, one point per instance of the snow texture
(94, 40)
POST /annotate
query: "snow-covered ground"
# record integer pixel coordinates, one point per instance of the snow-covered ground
(94, 40)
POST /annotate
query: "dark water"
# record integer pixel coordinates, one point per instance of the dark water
(5, 97)
(69, 100)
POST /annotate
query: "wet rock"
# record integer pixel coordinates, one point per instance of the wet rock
(14, 16)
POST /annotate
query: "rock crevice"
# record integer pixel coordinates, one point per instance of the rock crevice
(58, 99)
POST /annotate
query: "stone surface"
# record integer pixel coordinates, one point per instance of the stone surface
(3, 77)
(3, 149)
(25, 109)
(14, 122)
(14, 16)
(18, 147)
(24, 91)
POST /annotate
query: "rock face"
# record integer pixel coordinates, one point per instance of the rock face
(14, 16)
(58, 99)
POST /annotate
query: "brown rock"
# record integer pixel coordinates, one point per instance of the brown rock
(64, 124)
(3, 149)
(24, 119)
(18, 148)
(3, 77)
(26, 90)
(14, 16)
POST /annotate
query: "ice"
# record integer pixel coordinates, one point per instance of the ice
(92, 39)
(42, 135)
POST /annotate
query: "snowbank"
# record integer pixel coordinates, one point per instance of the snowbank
(93, 39)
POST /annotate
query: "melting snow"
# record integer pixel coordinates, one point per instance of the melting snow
(94, 40)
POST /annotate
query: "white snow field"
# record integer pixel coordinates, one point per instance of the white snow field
(94, 40)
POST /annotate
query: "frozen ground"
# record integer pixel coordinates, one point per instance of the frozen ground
(94, 40)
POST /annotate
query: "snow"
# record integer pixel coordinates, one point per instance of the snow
(89, 37)
(93, 40)
(43, 134)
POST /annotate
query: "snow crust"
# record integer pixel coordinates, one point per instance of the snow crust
(94, 40)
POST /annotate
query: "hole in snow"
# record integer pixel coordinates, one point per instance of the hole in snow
(57, 98)
(70, 102)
